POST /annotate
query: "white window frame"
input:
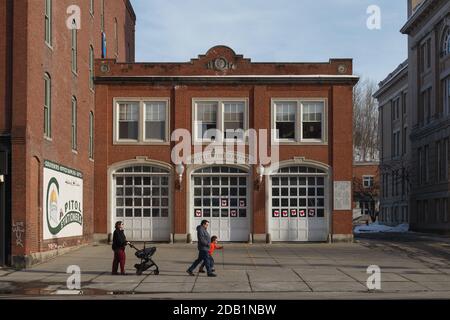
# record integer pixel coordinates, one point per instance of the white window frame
(220, 119)
(47, 106)
(91, 67)
(74, 123)
(91, 135)
(370, 179)
(92, 7)
(299, 122)
(74, 49)
(48, 23)
(141, 121)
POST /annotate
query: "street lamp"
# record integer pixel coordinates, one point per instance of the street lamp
(260, 172)
(179, 170)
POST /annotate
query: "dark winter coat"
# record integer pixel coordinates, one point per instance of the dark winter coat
(204, 239)
(119, 240)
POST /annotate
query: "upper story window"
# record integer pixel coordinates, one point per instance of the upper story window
(299, 121)
(217, 120)
(155, 120)
(285, 119)
(48, 22)
(47, 106)
(74, 123)
(424, 114)
(446, 92)
(142, 121)
(445, 49)
(128, 125)
(91, 67)
(425, 56)
(116, 38)
(368, 181)
(91, 135)
(395, 108)
(74, 37)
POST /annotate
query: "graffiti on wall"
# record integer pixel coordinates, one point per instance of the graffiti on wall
(18, 230)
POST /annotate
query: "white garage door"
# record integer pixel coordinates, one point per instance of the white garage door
(220, 195)
(298, 205)
(141, 201)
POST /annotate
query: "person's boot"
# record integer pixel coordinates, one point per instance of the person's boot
(212, 275)
(190, 273)
(201, 270)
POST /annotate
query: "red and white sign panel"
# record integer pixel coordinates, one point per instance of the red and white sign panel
(241, 203)
(233, 213)
(198, 213)
(276, 213)
(312, 212)
(302, 213)
(284, 213)
(224, 202)
(293, 212)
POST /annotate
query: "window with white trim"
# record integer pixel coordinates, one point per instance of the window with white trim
(155, 120)
(445, 50)
(128, 127)
(74, 123)
(91, 67)
(91, 135)
(48, 22)
(299, 121)
(312, 114)
(218, 120)
(368, 181)
(285, 119)
(142, 121)
(74, 37)
(47, 106)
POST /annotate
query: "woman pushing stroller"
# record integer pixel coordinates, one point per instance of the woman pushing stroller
(118, 245)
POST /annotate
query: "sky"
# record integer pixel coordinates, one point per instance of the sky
(274, 31)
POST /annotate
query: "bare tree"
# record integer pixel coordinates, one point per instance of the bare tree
(365, 121)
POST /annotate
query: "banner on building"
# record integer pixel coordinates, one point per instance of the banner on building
(63, 201)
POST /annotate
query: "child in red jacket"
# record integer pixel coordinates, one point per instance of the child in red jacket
(214, 245)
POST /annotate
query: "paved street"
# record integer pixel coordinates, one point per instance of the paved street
(413, 266)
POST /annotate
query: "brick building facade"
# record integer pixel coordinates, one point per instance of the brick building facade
(366, 188)
(305, 196)
(46, 118)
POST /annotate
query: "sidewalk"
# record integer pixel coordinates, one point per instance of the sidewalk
(277, 271)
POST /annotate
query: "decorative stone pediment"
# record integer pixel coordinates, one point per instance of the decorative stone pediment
(221, 59)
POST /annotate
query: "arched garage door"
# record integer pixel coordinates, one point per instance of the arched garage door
(141, 199)
(220, 195)
(298, 202)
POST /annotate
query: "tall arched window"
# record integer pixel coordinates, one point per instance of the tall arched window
(47, 106)
(445, 50)
(74, 123)
(74, 41)
(91, 67)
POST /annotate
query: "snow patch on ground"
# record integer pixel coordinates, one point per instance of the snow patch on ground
(376, 227)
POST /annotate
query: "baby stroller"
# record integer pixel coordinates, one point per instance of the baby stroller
(146, 260)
